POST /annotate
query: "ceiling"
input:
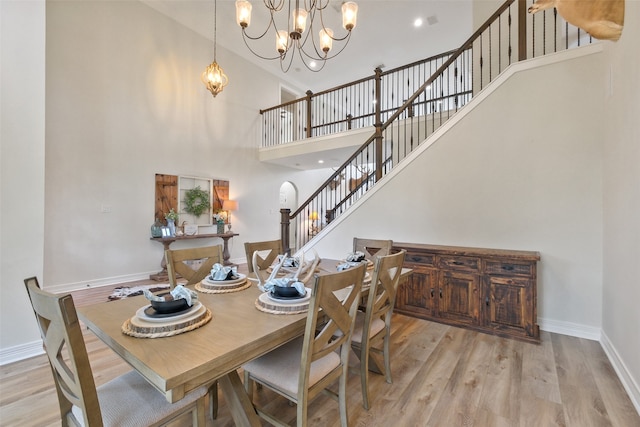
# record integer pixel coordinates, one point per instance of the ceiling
(384, 35)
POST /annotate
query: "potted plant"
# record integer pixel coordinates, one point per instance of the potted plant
(171, 218)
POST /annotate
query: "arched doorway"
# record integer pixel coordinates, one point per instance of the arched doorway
(289, 200)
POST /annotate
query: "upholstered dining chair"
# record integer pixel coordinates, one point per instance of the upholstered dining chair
(372, 330)
(177, 263)
(128, 400)
(268, 251)
(372, 247)
(308, 365)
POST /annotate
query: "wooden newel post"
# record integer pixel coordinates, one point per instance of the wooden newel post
(309, 130)
(284, 229)
(378, 125)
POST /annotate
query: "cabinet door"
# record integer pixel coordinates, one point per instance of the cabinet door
(458, 297)
(417, 295)
(509, 306)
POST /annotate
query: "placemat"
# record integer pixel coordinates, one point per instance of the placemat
(140, 328)
(211, 288)
(263, 303)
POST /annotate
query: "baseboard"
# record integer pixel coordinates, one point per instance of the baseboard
(70, 287)
(571, 329)
(20, 352)
(628, 382)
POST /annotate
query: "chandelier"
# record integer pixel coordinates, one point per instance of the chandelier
(294, 37)
(214, 77)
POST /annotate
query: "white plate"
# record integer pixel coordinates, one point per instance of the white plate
(143, 316)
(241, 278)
(305, 298)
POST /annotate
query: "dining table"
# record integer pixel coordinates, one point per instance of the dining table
(175, 365)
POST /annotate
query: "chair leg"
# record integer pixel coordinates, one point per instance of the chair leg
(213, 400)
(387, 357)
(342, 398)
(200, 414)
(364, 376)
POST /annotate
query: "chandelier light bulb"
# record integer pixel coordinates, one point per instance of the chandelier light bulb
(349, 15)
(243, 13)
(299, 22)
(326, 39)
(282, 41)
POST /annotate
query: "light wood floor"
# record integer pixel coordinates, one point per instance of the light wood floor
(442, 376)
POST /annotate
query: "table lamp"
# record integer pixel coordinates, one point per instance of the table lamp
(229, 205)
(313, 228)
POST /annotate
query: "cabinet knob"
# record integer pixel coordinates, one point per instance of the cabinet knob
(486, 301)
(432, 292)
(440, 293)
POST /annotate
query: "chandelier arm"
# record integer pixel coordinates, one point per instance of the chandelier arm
(307, 66)
(283, 58)
(254, 52)
(326, 57)
(269, 4)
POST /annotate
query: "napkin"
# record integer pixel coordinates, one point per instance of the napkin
(219, 272)
(347, 265)
(356, 256)
(289, 261)
(177, 293)
(284, 281)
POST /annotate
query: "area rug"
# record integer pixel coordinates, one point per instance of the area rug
(132, 291)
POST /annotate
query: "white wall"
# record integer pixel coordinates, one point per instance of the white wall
(124, 102)
(512, 175)
(621, 293)
(22, 38)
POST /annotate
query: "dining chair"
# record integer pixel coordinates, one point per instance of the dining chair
(178, 263)
(372, 247)
(268, 251)
(372, 330)
(127, 400)
(308, 365)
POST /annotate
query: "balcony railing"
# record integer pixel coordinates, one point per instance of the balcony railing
(404, 106)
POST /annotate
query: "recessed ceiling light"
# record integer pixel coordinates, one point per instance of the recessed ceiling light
(417, 23)
(321, 161)
(312, 64)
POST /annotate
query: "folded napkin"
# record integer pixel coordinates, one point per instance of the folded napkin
(285, 281)
(356, 256)
(289, 261)
(177, 293)
(347, 265)
(219, 272)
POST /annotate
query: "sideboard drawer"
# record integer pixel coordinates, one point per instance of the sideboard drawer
(509, 268)
(459, 263)
(419, 259)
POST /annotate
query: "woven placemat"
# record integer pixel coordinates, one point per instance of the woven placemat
(209, 288)
(263, 303)
(166, 329)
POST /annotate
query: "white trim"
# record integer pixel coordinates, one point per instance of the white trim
(571, 329)
(20, 352)
(627, 380)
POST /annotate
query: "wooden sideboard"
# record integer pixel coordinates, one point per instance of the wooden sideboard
(489, 290)
(163, 276)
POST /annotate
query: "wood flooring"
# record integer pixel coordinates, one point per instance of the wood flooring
(442, 376)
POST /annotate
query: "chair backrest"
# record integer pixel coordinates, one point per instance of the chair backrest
(63, 342)
(175, 258)
(382, 291)
(272, 247)
(331, 317)
(372, 248)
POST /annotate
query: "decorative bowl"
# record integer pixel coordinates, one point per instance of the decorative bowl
(285, 291)
(170, 306)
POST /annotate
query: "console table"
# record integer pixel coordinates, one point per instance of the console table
(167, 241)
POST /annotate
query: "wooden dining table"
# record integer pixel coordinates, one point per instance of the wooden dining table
(237, 333)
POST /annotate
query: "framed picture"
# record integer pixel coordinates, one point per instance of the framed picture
(190, 229)
(195, 197)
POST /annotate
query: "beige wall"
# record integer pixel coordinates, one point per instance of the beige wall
(621, 290)
(22, 38)
(512, 174)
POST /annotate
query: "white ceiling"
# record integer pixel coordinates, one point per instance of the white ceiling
(384, 34)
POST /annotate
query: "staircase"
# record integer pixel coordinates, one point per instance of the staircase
(411, 103)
